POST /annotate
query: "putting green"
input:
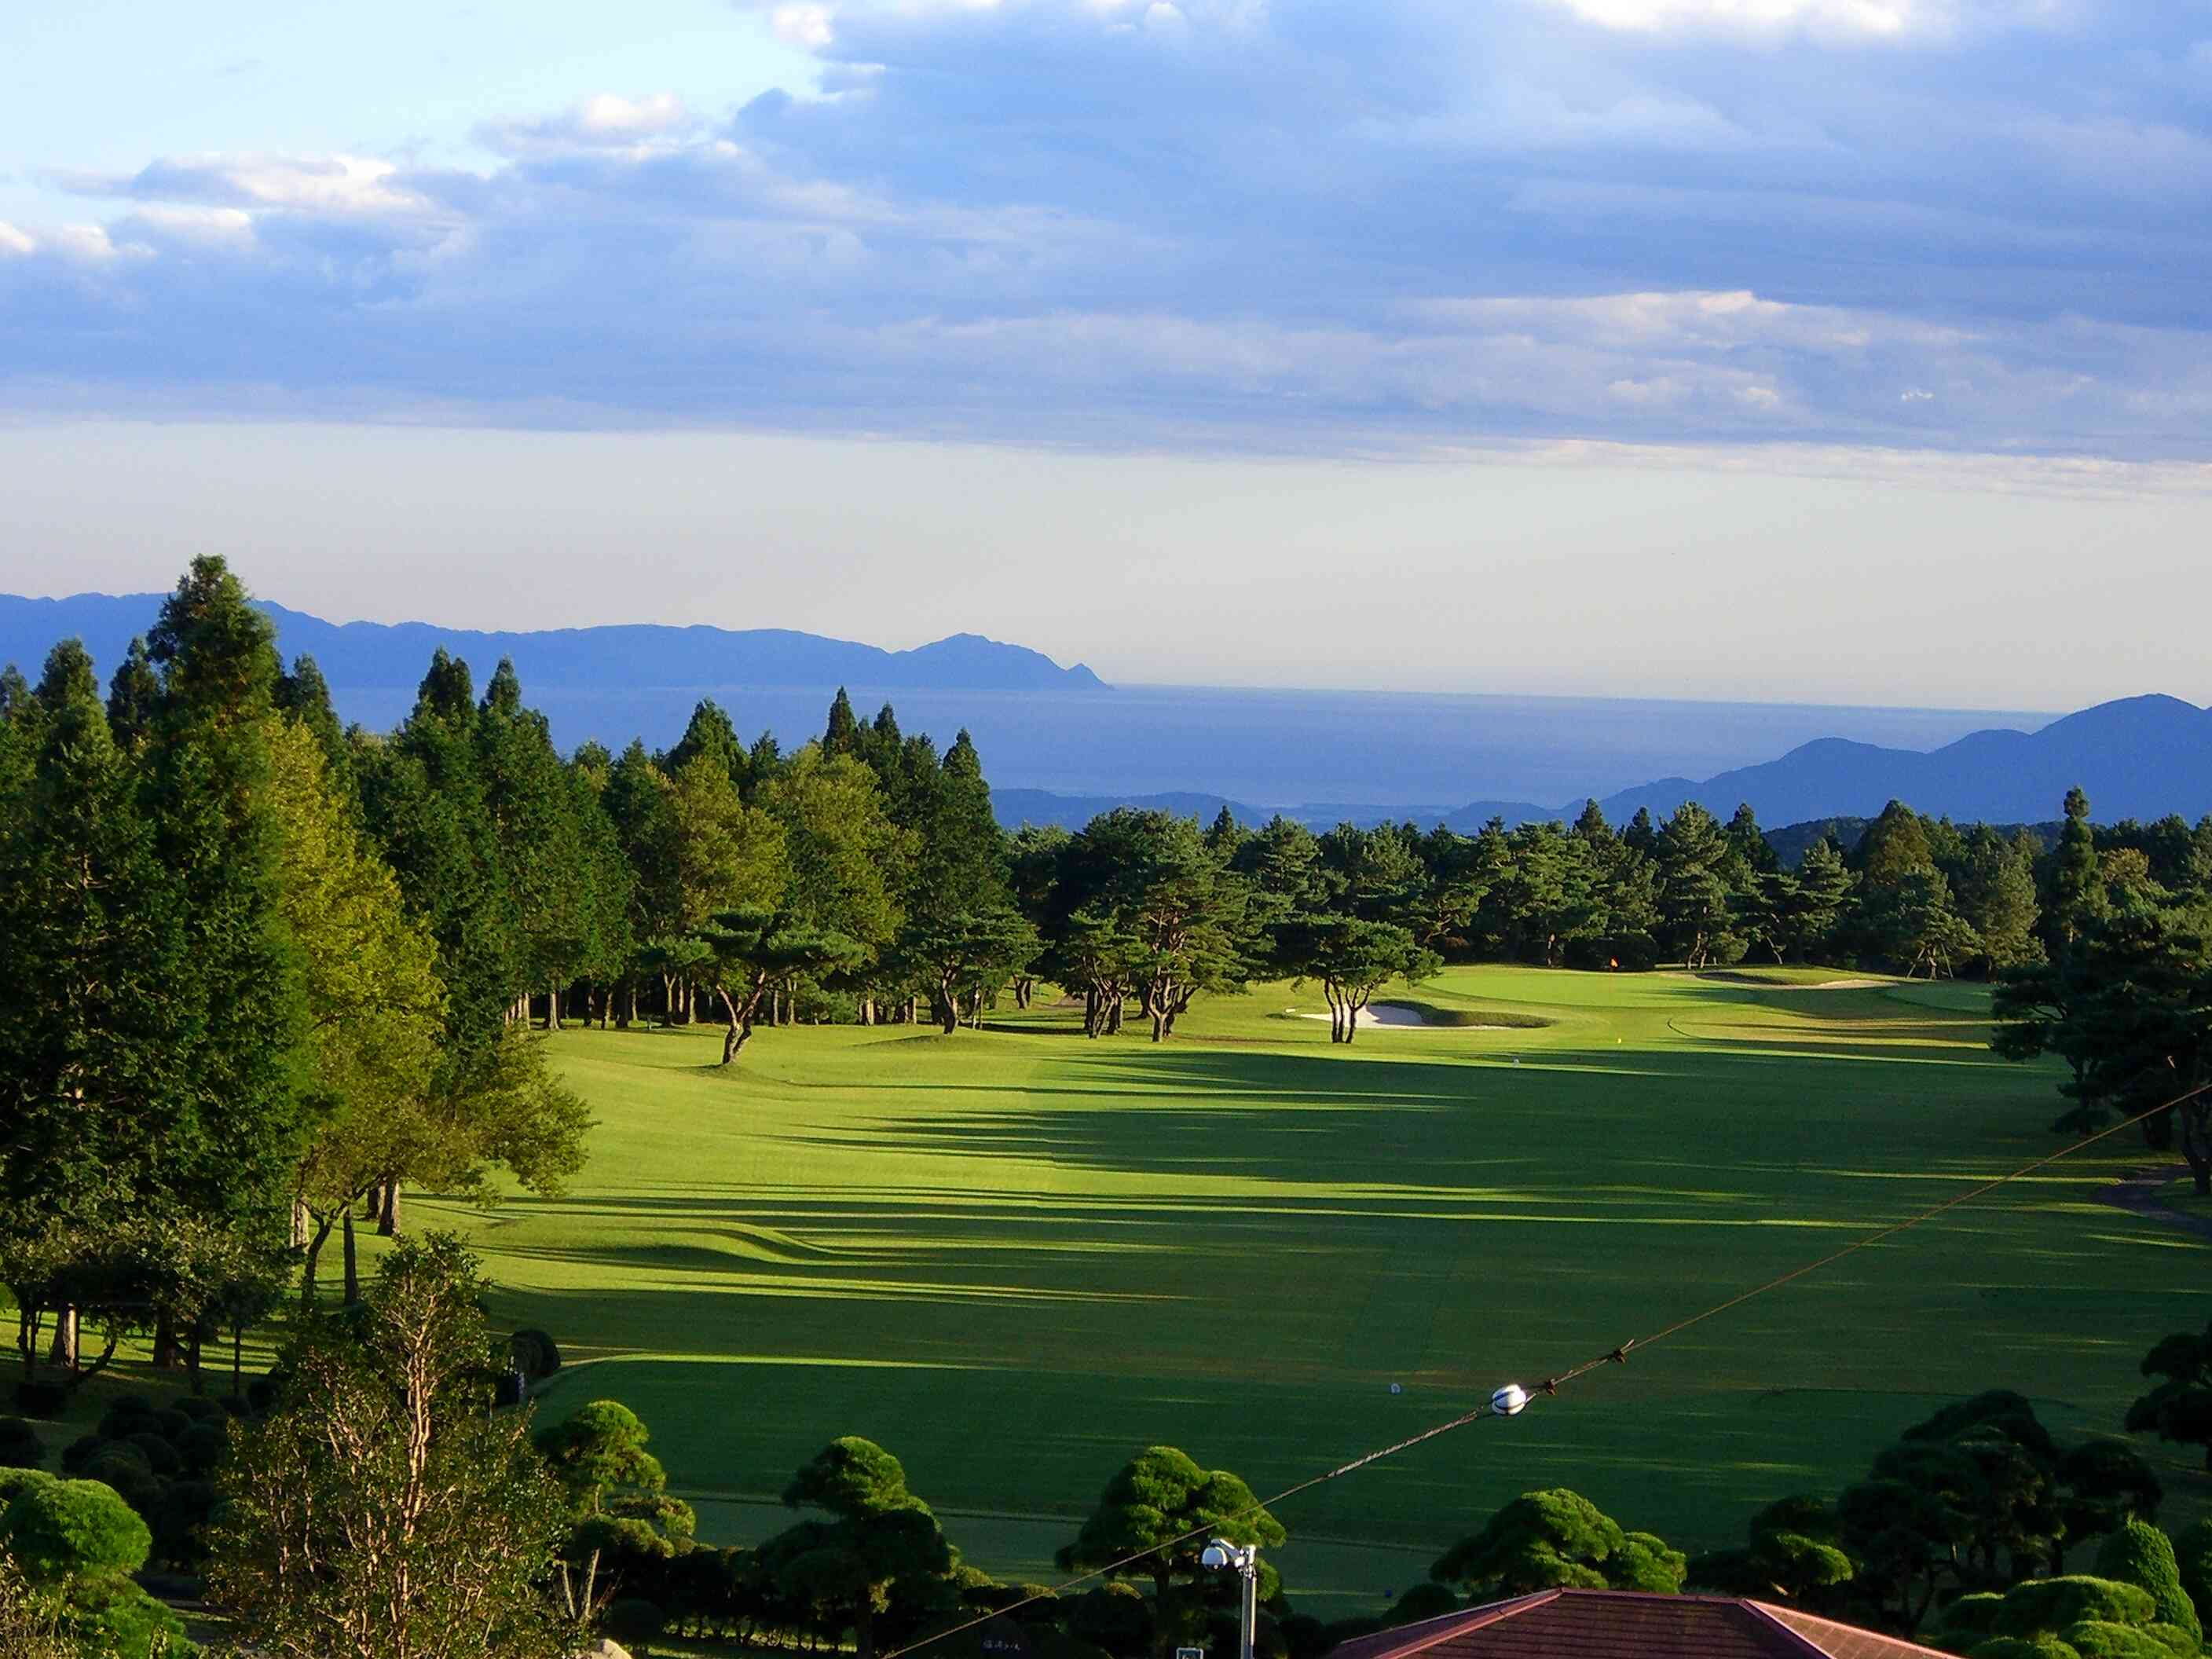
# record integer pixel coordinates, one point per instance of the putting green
(1015, 1257)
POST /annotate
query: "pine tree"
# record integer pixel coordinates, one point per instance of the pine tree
(2077, 893)
(1693, 897)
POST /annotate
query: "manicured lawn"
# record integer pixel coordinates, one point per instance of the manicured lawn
(1015, 1257)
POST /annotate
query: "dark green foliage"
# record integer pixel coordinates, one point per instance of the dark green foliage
(1115, 1617)
(535, 1354)
(632, 1621)
(2051, 1604)
(160, 1457)
(18, 1479)
(2193, 1557)
(2098, 1638)
(2140, 1554)
(1429, 1601)
(20, 1447)
(65, 1529)
(2180, 1407)
(2045, 1646)
(883, 1555)
(599, 1455)
(1557, 1539)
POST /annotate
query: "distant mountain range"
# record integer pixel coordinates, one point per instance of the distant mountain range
(364, 656)
(2139, 757)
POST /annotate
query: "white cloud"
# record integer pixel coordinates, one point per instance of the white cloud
(1878, 18)
(606, 121)
(15, 242)
(809, 26)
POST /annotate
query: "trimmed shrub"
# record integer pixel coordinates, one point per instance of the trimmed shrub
(1422, 1601)
(126, 1414)
(535, 1354)
(2095, 1639)
(200, 1409)
(42, 1399)
(20, 1447)
(2049, 1604)
(1115, 1617)
(14, 1481)
(202, 1447)
(2045, 1646)
(178, 1523)
(2139, 1554)
(160, 1456)
(111, 1616)
(1970, 1616)
(123, 1466)
(2192, 1556)
(73, 1528)
(81, 1451)
(169, 1423)
(633, 1619)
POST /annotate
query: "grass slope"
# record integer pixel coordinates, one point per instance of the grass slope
(1014, 1257)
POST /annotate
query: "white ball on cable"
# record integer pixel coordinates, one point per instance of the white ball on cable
(1509, 1401)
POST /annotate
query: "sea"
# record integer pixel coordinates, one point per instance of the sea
(1402, 751)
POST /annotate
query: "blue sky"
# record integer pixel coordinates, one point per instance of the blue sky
(1737, 234)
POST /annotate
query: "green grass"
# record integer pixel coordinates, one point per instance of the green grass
(1015, 1257)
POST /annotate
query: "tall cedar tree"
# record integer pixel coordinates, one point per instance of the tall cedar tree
(230, 1143)
(93, 942)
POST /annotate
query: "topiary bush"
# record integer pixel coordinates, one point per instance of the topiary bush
(20, 1446)
(1969, 1617)
(2139, 1554)
(73, 1528)
(15, 1480)
(169, 1422)
(160, 1456)
(126, 1414)
(535, 1354)
(2042, 1605)
(198, 1408)
(81, 1451)
(202, 1447)
(633, 1619)
(42, 1399)
(2094, 1639)
(111, 1616)
(2045, 1646)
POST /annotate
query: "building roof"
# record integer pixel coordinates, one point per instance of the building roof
(1589, 1623)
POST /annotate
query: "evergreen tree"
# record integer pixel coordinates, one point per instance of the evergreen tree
(710, 734)
(1693, 898)
(230, 1150)
(92, 941)
(2077, 894)
(1996, 898)
(132, 694)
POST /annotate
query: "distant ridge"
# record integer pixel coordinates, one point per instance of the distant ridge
(624, 657)
(2138, 758)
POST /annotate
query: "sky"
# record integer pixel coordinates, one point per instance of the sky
(1850, 350)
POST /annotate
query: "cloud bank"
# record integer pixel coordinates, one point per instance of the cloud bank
(1249, 224)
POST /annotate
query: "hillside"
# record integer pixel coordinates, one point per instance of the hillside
(618, 658)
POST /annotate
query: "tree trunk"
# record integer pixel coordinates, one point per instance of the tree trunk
(1114, 1015)
(165, 1343)
(387, 1214)
(237, 1357)
(64, 1353)
(352, 1259)
(192, 1360)
(307, 1267)
(553, 1005)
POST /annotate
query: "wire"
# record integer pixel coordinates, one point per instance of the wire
(1550, 1386)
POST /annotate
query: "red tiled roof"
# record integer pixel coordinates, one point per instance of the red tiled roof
(1579, 1624)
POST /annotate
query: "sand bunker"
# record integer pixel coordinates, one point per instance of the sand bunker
(1397, 1016)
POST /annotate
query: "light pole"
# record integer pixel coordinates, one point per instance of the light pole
(1245, 1559)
